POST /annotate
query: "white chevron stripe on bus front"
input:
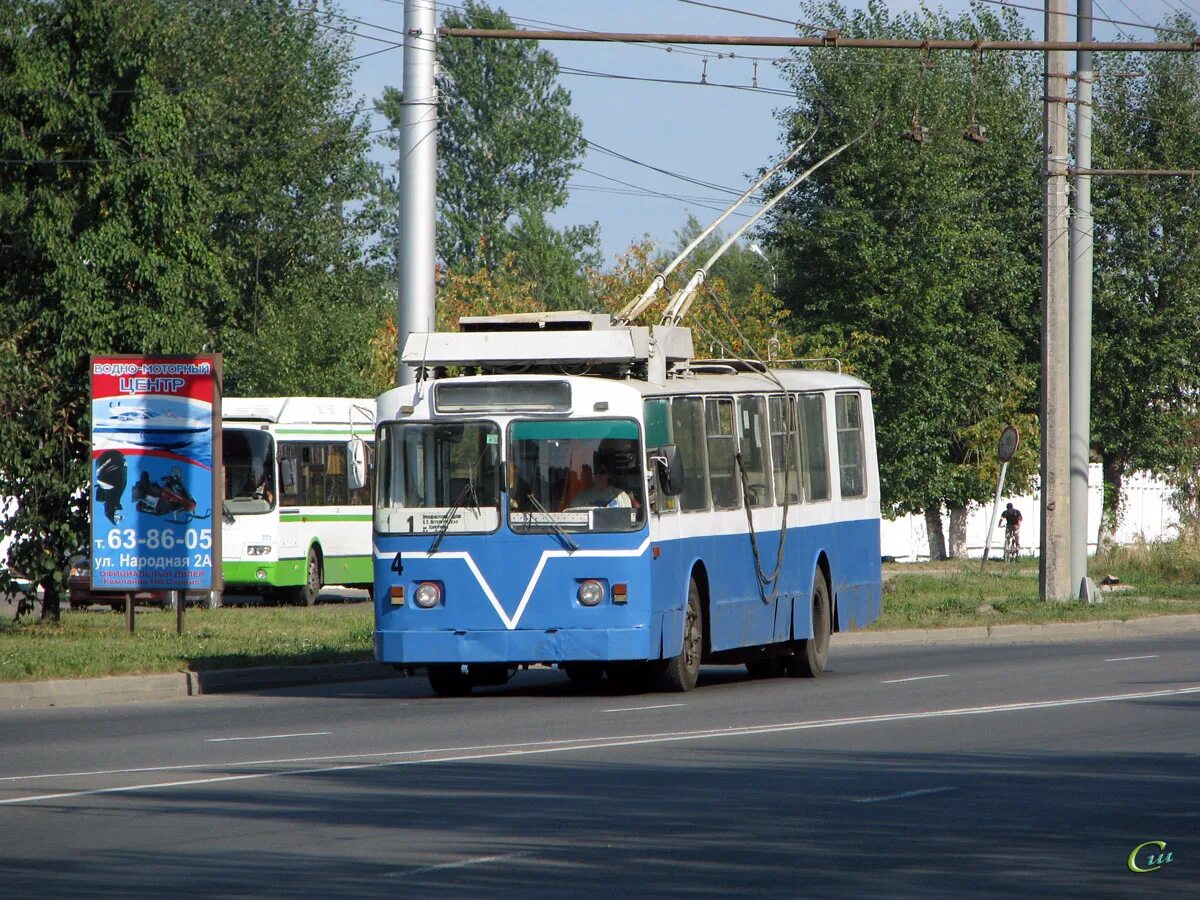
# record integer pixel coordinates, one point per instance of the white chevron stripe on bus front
(511, 623)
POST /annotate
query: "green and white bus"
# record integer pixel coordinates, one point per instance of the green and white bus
(297, 501)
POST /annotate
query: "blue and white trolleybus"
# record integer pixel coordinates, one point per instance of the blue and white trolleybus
(587, 495)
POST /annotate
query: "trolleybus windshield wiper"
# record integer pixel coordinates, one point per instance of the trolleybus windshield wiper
(445, 526)
(558, 529)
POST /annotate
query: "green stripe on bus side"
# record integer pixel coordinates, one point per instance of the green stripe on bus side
(290, 572)
(325, 517)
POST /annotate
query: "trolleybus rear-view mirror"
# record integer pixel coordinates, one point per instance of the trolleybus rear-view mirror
(356, 472)
(669, 466)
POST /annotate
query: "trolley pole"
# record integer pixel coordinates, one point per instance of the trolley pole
(1081, 311)
(417, 182)
(1054, 575)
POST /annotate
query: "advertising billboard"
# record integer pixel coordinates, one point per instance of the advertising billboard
(155, 435)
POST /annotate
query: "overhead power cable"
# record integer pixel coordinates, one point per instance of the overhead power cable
(755, 15)
(1101, 18)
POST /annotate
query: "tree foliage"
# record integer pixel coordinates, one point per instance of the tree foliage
(918, 262)
(1145, 378)
(507, 144)
(172, 179)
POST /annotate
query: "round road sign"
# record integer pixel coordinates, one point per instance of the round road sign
(1008, 443)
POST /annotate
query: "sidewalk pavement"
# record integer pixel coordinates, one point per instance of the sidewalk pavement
(133, 688)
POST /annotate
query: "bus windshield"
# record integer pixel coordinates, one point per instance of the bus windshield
(248, 459)
(438, 478)
(581, 475)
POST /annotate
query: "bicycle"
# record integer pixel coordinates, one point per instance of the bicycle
(1012, 545)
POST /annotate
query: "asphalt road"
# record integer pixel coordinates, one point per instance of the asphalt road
(933, 771)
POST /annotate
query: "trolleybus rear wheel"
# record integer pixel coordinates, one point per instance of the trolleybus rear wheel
(679, 673)
(812, 653)
(449, 680)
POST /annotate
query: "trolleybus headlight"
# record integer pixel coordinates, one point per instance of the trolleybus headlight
(591, 592)
(427, 595)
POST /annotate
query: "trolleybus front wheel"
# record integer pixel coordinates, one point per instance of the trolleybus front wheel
(679, 673)
(811, 654)
(449, 680)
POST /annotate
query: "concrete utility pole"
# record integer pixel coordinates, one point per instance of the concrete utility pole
(1054, 572)
(1081, 310)
(415, 249)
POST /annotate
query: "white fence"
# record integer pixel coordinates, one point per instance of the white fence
(1146, 514)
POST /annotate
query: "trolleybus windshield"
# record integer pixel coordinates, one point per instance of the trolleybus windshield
(438, 478)
(576, 475)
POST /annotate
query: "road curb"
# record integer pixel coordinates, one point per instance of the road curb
(226, 681)
(136, 688)
(93, 691)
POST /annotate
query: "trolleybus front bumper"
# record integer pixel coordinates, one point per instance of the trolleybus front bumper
(517, 646)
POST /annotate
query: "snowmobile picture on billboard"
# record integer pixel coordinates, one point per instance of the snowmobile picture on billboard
(167, 497)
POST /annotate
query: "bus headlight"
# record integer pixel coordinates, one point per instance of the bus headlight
(590, 593)
(427, 595)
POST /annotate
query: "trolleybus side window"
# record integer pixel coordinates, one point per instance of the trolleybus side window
(850, 444)
(687, 427)
(752, 441)
(783, 450)
(722, 468)
(813, 463)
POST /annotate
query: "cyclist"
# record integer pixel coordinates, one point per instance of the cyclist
(1012, 530)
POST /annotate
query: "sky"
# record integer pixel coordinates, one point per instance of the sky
(706, 132)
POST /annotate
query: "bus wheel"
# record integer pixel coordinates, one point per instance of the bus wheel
(584, 674)
(767, 667)
(309, 592)
(490, 674)
(679, 673)
(449, 680)
(811, 654)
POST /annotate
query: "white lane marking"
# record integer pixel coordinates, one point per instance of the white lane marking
(914, 678)
(905, 795)
(535, 748)
(267, 737)
(461, 864)
(639, 708)
(1127, 658)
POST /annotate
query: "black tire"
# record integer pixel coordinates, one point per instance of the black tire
(449, 680)
(767, 667)
(679, 673)
(490, 674)
(628, 677)
(811, 654)
(584, 675)
(309, 593)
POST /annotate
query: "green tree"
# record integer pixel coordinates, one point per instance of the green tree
(507, 144)
(172, 179)
(1145, 376)
(917, 261)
